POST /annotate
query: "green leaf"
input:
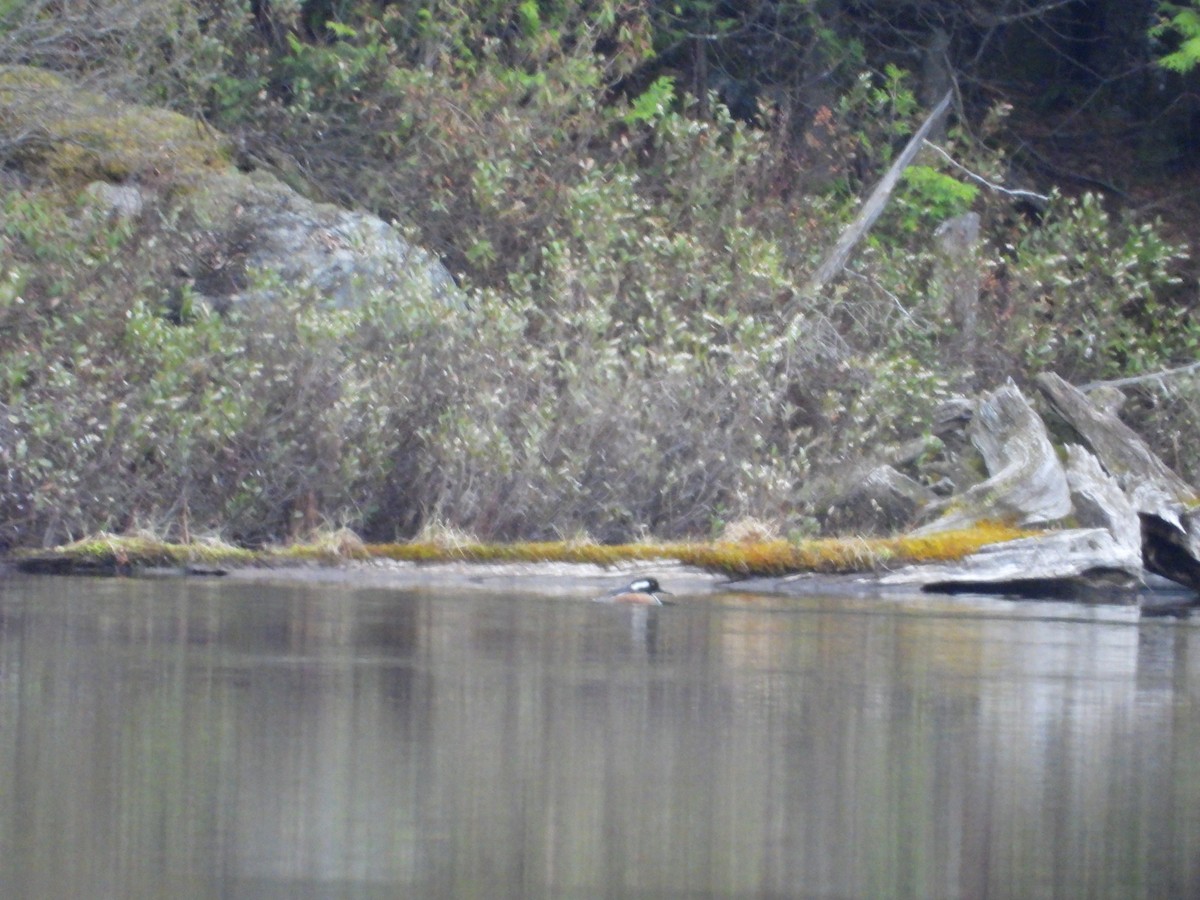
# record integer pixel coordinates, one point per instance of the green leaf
(530, 19)
(652, 103)
(1185, 58)
(1184, 22)
(341, 30)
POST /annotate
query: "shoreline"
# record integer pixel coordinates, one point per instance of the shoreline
(981, 562)
(535, 578)
(582, 581)
(1159, 598)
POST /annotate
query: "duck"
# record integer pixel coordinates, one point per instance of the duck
(643, 591)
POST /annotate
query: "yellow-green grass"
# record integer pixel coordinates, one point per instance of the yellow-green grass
(740, 558)
(331, 547)
(104, 552)
(769, 557)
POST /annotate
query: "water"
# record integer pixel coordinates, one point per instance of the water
(208, 739)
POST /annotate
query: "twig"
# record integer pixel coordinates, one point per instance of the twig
(991, 185)
(1138, 379)
(879, 287)
(1032, 13)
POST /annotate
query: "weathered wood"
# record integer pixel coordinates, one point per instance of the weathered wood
(1159, 376)
(1129, 502)
(1037, 565)
(1119, 448)
(956, 281)
(1170, 550)
(1038, 201)
(1099, 501)
(1026, 485)
(1170, 528)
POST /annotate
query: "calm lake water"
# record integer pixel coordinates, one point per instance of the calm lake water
(219, 739)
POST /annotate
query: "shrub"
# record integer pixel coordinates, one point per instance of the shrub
(1088, 299)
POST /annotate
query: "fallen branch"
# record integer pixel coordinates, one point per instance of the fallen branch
(871, 210)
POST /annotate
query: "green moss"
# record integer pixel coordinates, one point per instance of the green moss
(121, 553)
(18, 80)
(83, 136)
(550, 551)
(951, 545)
(327, 547)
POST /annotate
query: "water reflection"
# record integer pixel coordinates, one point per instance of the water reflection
(203, 739)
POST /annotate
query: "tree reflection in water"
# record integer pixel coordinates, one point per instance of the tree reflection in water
(252, 740)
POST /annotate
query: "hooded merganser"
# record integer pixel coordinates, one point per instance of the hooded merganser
(644, 591)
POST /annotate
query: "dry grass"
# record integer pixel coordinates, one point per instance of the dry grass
(749, 530)
(331, 546)
(772, 556)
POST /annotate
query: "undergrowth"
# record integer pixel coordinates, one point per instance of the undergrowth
(638, 353)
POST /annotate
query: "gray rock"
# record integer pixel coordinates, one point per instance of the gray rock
(268, 237)
(123, 201)
(232, 236)
(344, 256)
(882, 502)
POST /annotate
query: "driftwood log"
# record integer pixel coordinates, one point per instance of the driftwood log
(1164, 502)
(1054, 564)
(1099, 502)
(1026, 483)
(1112, 514)
(1119, 448)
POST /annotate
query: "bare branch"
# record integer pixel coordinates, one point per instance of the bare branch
(1142, 379)
(990, 185)
(1034, 12)
(874, 283)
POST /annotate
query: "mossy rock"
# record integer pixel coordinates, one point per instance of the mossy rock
(227, 236)
(71, 136)
(110, 554)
